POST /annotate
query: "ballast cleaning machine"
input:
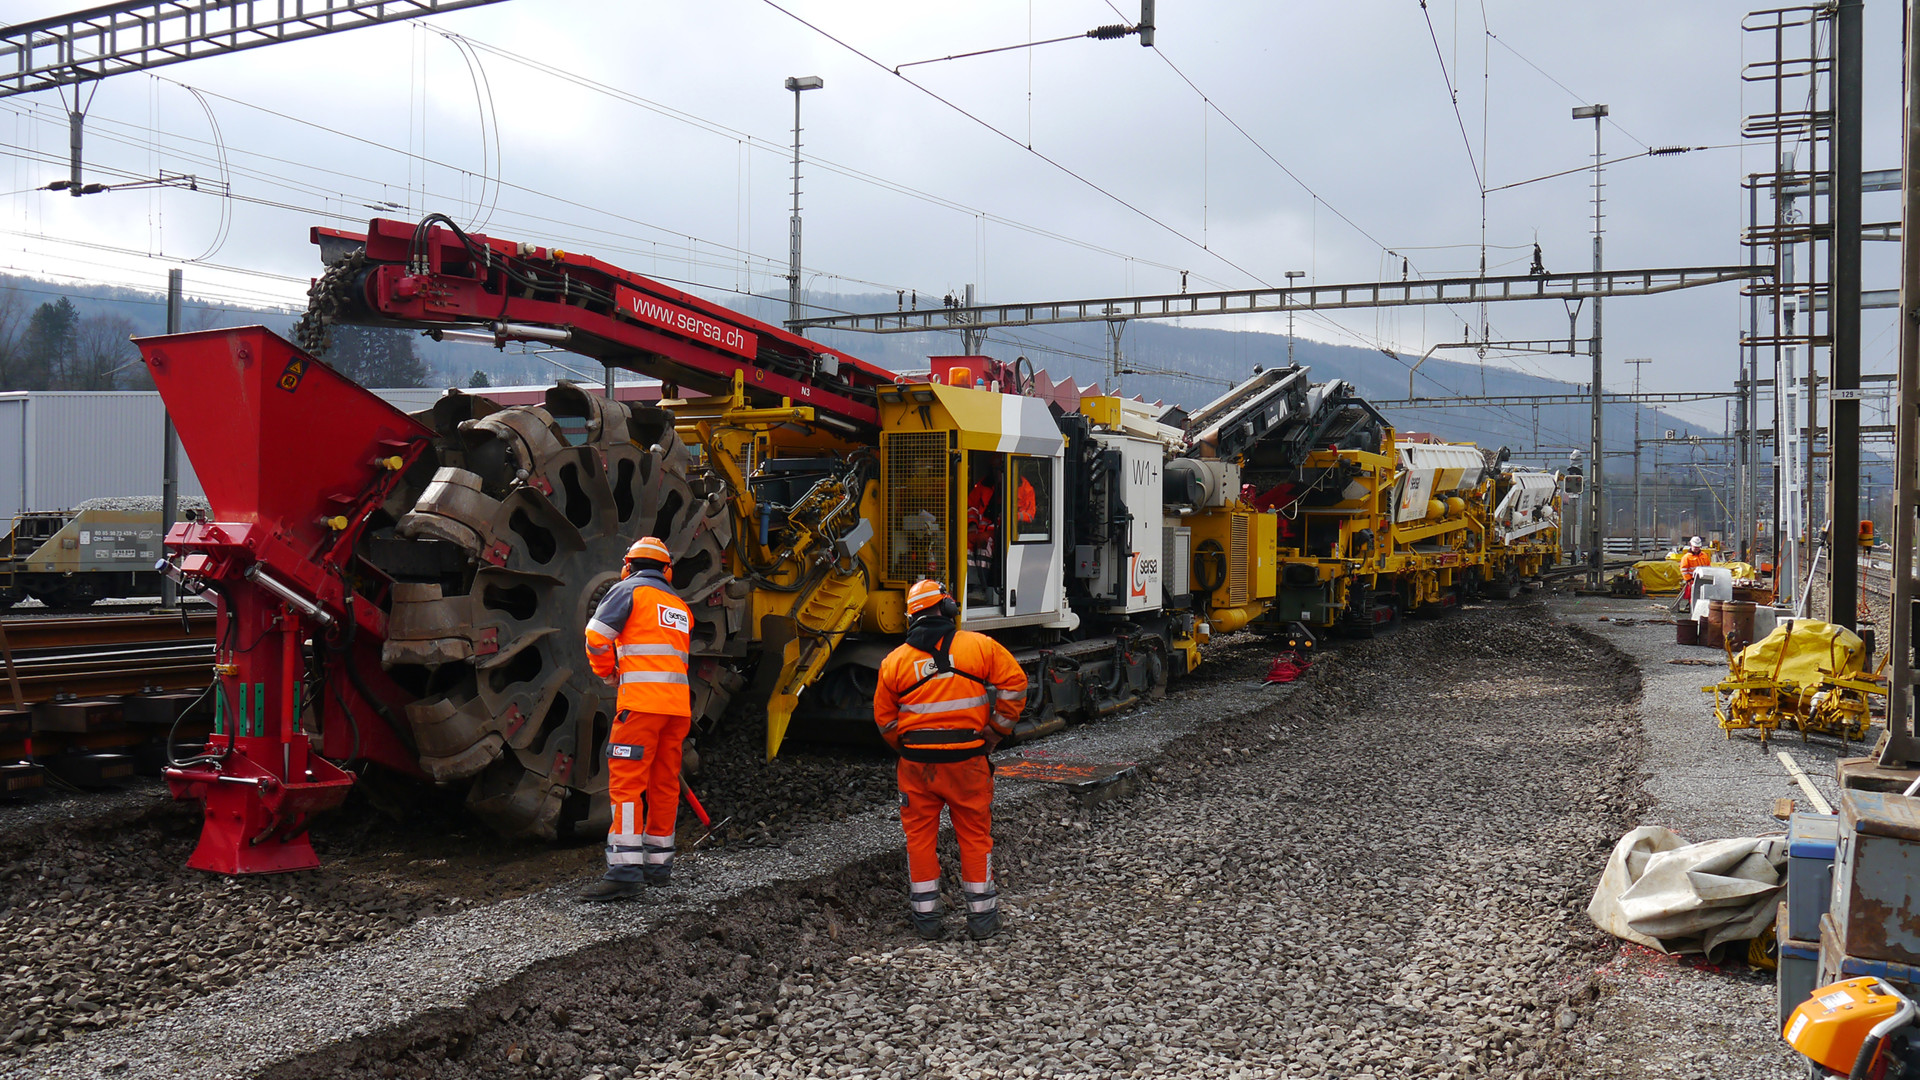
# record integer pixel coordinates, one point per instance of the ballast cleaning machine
(407, 592)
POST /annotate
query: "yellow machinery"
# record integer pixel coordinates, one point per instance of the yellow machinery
(1805, 673)
(802, 491)
(1368, 526)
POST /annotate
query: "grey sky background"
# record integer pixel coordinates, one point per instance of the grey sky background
(655, 135)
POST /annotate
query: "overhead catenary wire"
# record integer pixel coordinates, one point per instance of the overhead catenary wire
(1053, 162)
(704, 285)
(826, 164)
(1453, 97)
(1318, 201)
(1611, 122)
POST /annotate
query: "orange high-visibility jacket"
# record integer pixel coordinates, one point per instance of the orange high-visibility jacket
(1689, 560)
(932, 715)
(1026, 503)
(643, 631)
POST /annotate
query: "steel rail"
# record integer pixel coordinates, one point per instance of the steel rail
(82, 631)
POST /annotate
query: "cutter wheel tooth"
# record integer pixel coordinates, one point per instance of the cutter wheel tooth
(516, 802)
(606, 420)
(426, 628)
(466, 762)
(552, 498)
(453, 508)
(448, 737)
(527, 433)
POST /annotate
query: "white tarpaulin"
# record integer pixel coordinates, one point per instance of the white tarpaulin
(1664, 893)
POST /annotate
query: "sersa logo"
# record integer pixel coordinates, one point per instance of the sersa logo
(674, 619)
(1145, 572)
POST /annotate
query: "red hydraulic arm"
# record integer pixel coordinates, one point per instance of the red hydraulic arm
(435, 276)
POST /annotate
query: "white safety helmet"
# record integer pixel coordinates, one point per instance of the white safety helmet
(1696, 543)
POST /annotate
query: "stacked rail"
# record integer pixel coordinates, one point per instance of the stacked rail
(91, 699)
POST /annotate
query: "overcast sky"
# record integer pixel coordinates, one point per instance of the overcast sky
(656, 134)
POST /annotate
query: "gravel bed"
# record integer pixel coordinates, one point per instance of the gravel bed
(30, 813)
(101, 922)
(102, 925)
(1379, 872)
(1665, 1017)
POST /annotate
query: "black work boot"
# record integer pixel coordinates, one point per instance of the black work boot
(607, 889)
(924, 909)
(658, 869)
(930, 925)
(983, 910)
(982, 925)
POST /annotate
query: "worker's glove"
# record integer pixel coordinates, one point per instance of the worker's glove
(611, 680)
(991, 738)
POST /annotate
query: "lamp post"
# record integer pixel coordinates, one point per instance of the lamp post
(796, 84)
(1594, 480)
(1292, 276)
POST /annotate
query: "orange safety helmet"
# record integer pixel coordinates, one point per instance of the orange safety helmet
(652, 547)
(925, 594)
(649, 547)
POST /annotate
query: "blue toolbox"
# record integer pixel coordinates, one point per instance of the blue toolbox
(1836, 965)
(1798, 971)
(1876, 877)
(1810, 843)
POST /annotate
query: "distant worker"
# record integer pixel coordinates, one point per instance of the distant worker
(638, 640)
(980, 525)
(1692, 559)
(1026, 504)
(945, 699)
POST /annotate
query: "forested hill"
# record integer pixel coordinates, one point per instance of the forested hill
(71, 336)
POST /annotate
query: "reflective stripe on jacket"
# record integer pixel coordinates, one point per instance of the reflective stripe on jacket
(932, 715)
(642, 631)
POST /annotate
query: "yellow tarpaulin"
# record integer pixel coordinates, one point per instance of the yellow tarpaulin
(1664, 576)
(1659, 577)
(1797, 650)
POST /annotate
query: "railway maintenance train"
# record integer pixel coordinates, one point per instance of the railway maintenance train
(408, 592)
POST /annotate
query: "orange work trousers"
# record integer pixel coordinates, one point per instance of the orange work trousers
(965, 788)
(643, 782)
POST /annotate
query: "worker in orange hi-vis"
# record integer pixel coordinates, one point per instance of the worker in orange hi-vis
(1692, 559)
(638, 640)
(945, 699)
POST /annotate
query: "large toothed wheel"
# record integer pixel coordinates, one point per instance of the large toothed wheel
(544, 502)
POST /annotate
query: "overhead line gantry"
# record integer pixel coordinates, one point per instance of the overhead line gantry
(113, 39)
(1376, 294)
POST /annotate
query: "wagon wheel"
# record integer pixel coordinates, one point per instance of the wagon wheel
(543, 502)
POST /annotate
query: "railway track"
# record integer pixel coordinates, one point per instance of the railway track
(89, 656)
(90, 699)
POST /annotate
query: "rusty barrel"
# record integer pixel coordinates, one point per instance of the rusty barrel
(1737, 623)
(1686, 632)
(1713, 628)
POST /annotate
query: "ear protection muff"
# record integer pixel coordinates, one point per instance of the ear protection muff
(948, 609)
